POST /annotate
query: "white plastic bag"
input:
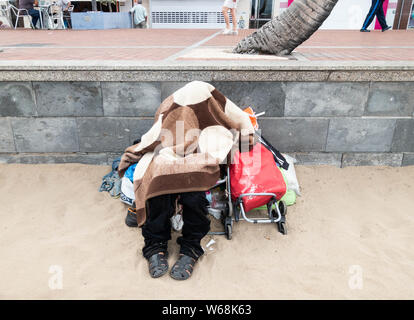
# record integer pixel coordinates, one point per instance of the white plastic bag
(127, 191)
(216, 213)
(177, 222)
(290, 174)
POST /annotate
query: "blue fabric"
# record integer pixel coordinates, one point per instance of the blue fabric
(371, 13)
(129, 173)
(35, 15)
(101, 20)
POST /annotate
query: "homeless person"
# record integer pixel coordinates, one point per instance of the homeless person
(178, 159)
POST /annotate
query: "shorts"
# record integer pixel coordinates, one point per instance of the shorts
(230, 3)
(141, 25)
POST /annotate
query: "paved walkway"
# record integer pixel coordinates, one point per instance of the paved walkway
(178, 45)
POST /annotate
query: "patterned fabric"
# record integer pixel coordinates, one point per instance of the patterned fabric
(193, 133)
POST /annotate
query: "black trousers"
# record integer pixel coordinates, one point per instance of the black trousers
(157, 228)
(375, 10)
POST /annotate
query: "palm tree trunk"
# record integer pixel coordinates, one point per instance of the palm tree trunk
(284, 33)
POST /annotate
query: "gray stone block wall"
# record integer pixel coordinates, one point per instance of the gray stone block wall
(321, 99)
(403, 137)
(17, 99)
(65, 99)
(30, 158)
(264, 96)
(6, 136)
(296, 135)
(335, 123)
(110, 134)
(372, 159)
(45, 134)
(360, 135)
(130, 99)
(390, 99)
(408, 159)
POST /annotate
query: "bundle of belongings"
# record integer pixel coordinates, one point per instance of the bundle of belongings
(196, 133)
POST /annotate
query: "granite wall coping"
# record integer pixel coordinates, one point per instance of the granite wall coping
(207, 75)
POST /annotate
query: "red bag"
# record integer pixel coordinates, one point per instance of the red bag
(255, 172)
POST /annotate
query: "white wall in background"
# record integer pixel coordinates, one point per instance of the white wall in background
(192, 14)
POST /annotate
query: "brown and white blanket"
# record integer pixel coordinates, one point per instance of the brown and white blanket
(194, 131)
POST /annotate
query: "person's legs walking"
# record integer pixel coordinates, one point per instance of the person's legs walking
(371, 14)
(234, 17)
(381, 18)
(226, 19)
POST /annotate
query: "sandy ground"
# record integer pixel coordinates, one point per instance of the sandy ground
(350, 236)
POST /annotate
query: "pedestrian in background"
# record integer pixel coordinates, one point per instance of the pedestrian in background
(29, 6)
(139, 15)
(375, 10)
(230, 5)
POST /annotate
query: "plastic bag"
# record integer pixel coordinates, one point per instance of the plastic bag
(255, 172)
(177, 222)
(290, 174)
(127, 191)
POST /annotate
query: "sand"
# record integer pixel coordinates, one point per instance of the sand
(350, 236)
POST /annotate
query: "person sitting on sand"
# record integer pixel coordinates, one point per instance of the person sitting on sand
(177, 160)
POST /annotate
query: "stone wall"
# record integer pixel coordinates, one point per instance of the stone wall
(337, 123)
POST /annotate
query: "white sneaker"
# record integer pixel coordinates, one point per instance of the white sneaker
(227, 31)
(235, 32)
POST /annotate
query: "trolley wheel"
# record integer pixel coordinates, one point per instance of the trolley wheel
(228, 227)
(282, 208)
(229, 232)
(282, 227)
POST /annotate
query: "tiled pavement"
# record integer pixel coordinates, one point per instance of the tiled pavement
(159, 45)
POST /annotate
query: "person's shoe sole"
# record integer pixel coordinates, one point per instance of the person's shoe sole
(364, 30)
